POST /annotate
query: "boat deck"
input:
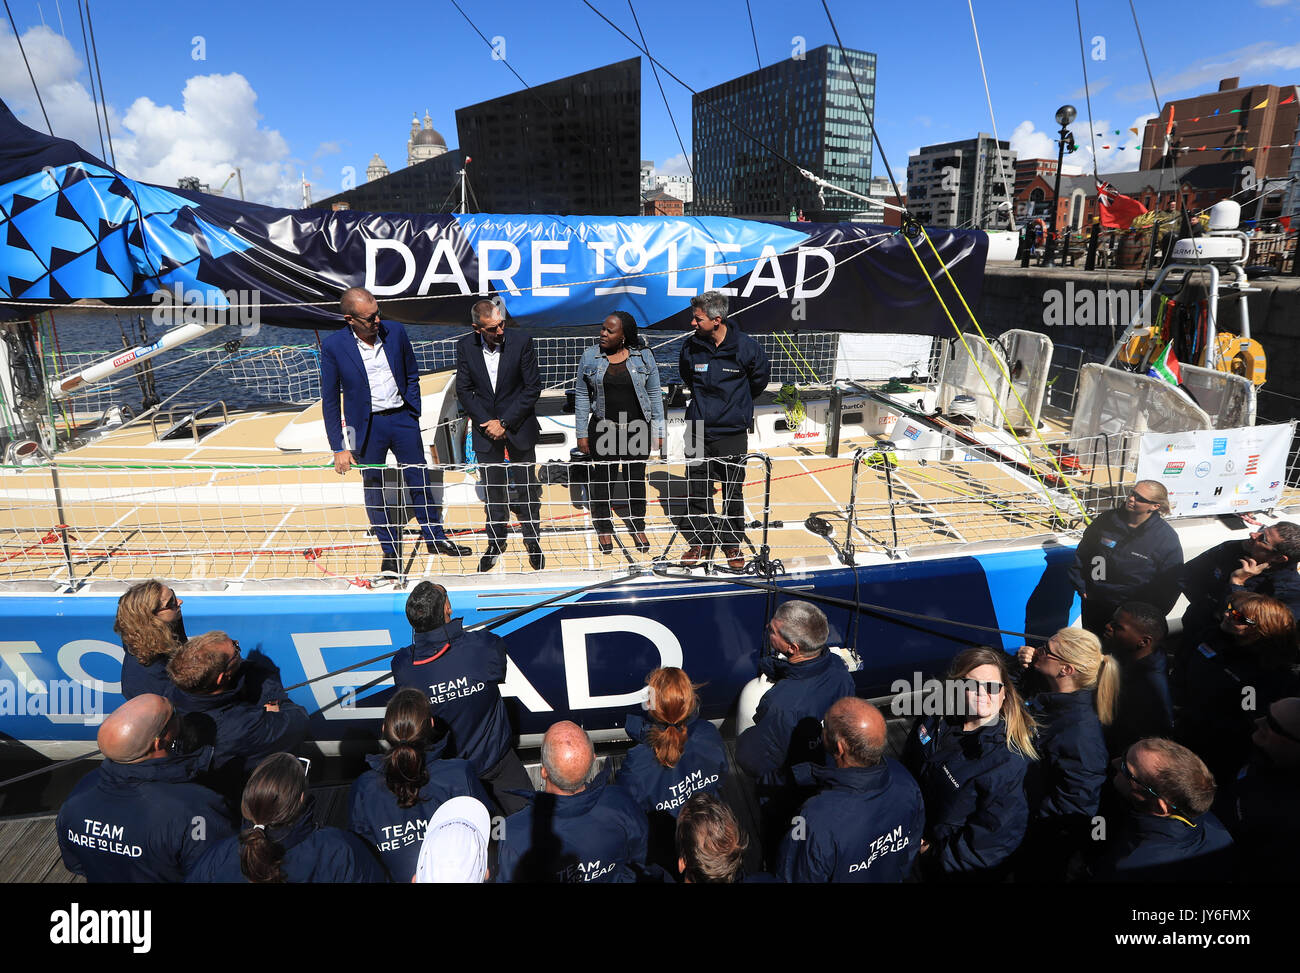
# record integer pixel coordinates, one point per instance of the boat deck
(234, 508)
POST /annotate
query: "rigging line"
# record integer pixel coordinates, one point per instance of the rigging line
(663, 94)
(997, 149)
(102, 93)
(39, 101)
(537, 98)
(871, 120)
(753, 33)
(1154, 94)
(85, 44)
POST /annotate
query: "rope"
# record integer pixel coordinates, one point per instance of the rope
(21, 51)
(997, 151)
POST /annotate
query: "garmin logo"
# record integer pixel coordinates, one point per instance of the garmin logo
(74, 927)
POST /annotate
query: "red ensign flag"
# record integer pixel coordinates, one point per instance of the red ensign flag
(1117, 210)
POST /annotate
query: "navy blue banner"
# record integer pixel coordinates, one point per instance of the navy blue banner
(71, 228)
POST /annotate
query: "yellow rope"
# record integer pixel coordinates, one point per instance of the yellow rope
(1001, 368)
(789, 348)
(992, 396)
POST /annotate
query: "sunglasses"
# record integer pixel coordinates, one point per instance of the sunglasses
(989, 688)
(1239, 617)
(367, 318)
(494, 328)
(171, 605)
(1141, 499)
(1124, 768)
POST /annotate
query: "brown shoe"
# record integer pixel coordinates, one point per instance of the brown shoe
(694, 554)
(606, 542)
(734, 559)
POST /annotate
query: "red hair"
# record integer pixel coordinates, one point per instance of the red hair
(672, 703)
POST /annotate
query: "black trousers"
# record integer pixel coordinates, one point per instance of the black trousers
(618, 475)
(723, 462)
(509, 775)
(500, 479)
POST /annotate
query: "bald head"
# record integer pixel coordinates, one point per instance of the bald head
(567, 756)
(131, 731)
(854, 732)
(355, 299)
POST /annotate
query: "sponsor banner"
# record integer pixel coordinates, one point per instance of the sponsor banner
(1218, 471)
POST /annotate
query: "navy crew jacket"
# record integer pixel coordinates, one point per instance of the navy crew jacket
(398, 832)
(702, 766)
(145, 822)
(1072, 767)
(311, 854)
(865, 826)
(788, 722)
(460, 671)
(1206, 584)
(1115, 563)
(137, 679)
(975, 807)
(723, 380)
(1169, 849)
(596, 835)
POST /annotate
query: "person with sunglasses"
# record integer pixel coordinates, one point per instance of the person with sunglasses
(1264, 562)
(151, 627)
(240, 709)
(1079, 690)
(1231, 675)
(497, 385)
(971, 765)
(1264, 800)
(1167, 832)
(140, 816)
(1128, 553)
(371, 363)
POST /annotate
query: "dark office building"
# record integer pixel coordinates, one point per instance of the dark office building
(808, 111)
(569, 147)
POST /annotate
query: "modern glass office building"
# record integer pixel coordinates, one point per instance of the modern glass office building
(805, 107)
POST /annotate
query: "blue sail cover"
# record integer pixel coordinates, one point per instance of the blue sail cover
(71, 227)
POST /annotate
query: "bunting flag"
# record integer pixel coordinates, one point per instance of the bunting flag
(1170, 127)
(1262, 104)
(1288, 101)
(1286, 223)
(1117, 210)
(1135, 131)
(1166, 366)
(1216, 111)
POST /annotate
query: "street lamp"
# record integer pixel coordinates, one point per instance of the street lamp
(1064, 116)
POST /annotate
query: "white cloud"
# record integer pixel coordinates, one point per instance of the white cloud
(215, 130)
(676, 165)
(1029, 143)
(327, 148)
(1258, 63)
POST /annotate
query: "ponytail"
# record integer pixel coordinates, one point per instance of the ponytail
(672, 704)
(1107, 690)
(408, 728)
(260, 858)
(272, 802)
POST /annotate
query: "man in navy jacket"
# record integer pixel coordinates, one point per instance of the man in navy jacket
(1265, 563)
(140, 817)
(1264, 803)
(809, 678)
(240, 709)
(1169, 834)
(498, 385)
(461, 671)
(573, 831)
(725, 370)
(373, 365)
(867, 822)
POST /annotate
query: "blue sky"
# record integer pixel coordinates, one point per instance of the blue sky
(285, 88)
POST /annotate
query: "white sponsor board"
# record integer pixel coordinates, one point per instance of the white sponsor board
(1218, 471)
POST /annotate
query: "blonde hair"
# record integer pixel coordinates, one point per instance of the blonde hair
(1081, 649)
(1156, 491)
(144, 634)
(1020, 725)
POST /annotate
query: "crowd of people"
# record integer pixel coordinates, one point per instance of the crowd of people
(1103, 753)
(371, 406)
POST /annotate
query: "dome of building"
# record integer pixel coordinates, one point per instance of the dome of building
(424, 143)
(429, 136)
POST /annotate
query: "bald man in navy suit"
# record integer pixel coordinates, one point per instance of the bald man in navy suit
(498, 385)
(373, 365)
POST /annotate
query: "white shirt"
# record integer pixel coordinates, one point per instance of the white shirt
(384, 393)
(492, 361)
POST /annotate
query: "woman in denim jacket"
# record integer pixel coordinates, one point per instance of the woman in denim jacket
(619, 421)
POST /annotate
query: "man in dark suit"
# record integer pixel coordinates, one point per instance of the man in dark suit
(373, 365)
(498, 384)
